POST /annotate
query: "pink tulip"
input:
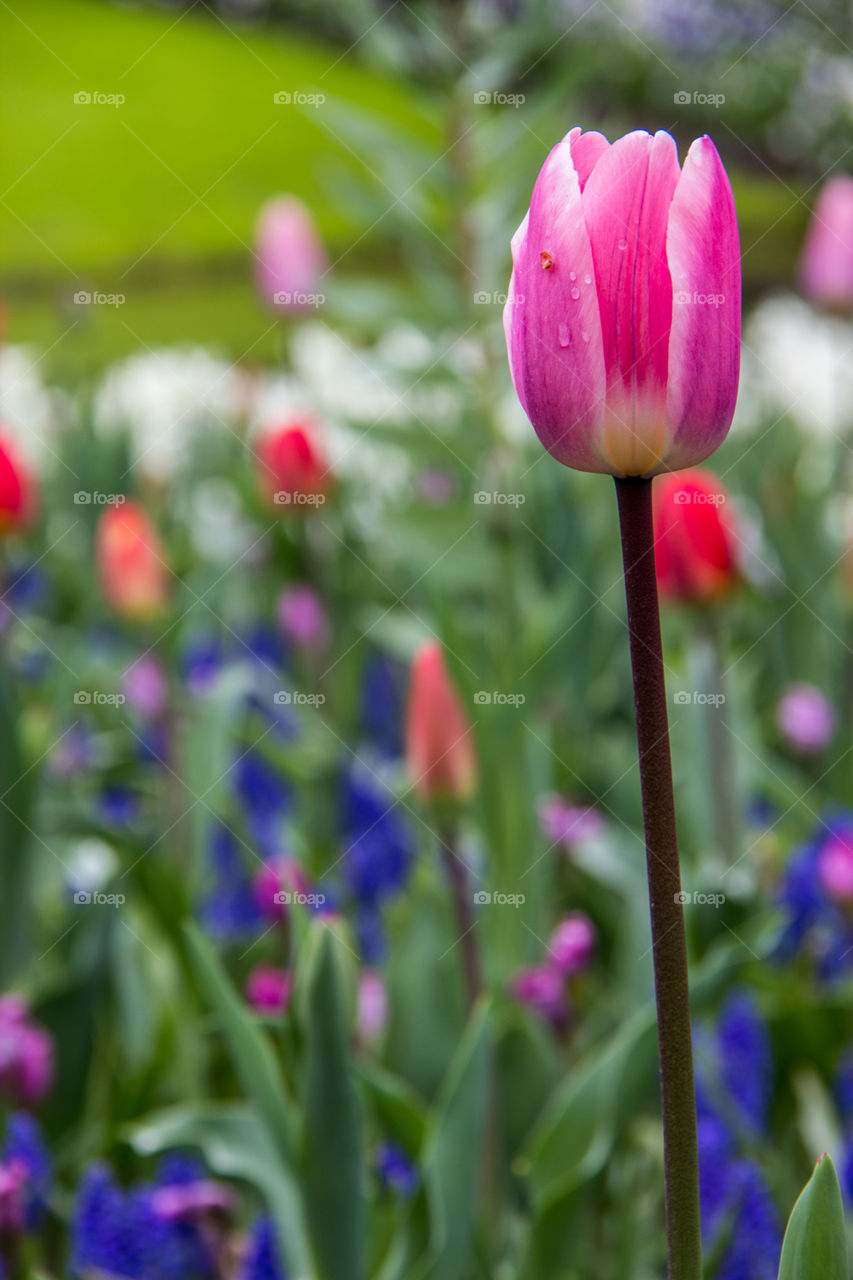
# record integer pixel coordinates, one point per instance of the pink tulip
(146, 687)
(826, 267)
(372, 1012)
(566, 824)
(289, 255)
(268, 989)
(26, 1054)
(275, 883)
(302, 617)
(572, 943)
(835, 866)
(541, 988)
(806, 719)
(623, 312)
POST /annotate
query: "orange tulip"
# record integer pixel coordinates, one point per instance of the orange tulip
(439, 740)
(131, 562)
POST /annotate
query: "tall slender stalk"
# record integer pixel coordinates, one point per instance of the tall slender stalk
(721, 765)
(460, 889)
(678, 1099)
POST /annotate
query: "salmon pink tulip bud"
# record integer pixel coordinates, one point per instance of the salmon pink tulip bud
(826, 268)
(623, 311)
(131, 562)
(17, 488)
(572, 943)
(695, 548)
(289, 255)
(439, 739)
(292, 470)
(806, 719)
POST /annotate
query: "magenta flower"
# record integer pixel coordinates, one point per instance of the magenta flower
(289, 255)
(268, 990)
(806, 719)
(372, 1010)
(826, 268)
(275, 883)
(835, 867)
(189, 1201)
(302, 617)
(26, 1054)
(542, 989)
(623, 312)
(566, 824)
(572, 943)
(146, 687)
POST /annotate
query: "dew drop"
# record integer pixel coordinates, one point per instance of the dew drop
(546, 260)
(573, 275)
(564, 335)
(576, 293)
(623, 244)
(587, 278)
(585, 336)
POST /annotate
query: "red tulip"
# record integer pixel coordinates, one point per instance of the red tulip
(695, 545)
(292, 469)
(439, 740)
(131, 562)
(826, 269)
(17, 489)
(623, 311)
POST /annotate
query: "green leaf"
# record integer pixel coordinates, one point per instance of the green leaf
(251, 1051)
(235, 1144)
(453, 1151)
(399, 1109)
(815, 1245)
(16, 796)
(333, 1144)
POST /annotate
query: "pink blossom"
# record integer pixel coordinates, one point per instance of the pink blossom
(572, 943)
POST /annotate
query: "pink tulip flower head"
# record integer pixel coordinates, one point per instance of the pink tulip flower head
(623, 311)
(275, 884)
(372, 1007)
(289, 255)
(835, 866)
(572, 944)
(542, 989)
(567, 824)
(146, 687)
(26, 1054)
(826, 267)
(268, 989)
(806, 719)
(302, 617)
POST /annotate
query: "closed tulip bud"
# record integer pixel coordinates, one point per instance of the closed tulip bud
(289, 254)
(806, 719)
(131, 562)
(17, 488)
(623, 312)
(695, 546)
(292, 471)
(572, 943)
(826, 267)
(439, 739)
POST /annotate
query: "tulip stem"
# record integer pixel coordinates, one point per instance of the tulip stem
(460, 889)
(669, 949)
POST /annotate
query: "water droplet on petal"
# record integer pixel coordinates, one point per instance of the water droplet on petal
(573, 275)
(565, 336)
(585, 336)
(623, 244)
(576, 293)
(587, 278)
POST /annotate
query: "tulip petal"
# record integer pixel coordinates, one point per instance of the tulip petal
(626, 204)
(552, 321)
(587, 149)
(704, 346)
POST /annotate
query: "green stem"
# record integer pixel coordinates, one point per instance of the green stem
(462, 895)
(721, 770)
(669, 949)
